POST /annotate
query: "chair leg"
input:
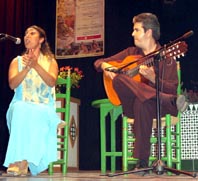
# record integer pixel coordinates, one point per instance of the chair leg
(125, 144)
(50, 169)
(178, 144)
(64, 169)
(168, 141)
(103, 141)
(114, 114)
(113, 146)
(65, 152)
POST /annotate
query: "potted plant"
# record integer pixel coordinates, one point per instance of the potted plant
(75, 73)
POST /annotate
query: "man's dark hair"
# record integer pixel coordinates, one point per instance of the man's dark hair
(149, 21)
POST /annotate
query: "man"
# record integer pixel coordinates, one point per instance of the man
(138, 98)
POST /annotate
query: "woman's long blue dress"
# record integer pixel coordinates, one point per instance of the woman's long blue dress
(32, 122)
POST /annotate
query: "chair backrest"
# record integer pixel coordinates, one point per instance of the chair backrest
(65, 97)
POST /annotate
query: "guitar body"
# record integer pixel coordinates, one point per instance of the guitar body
(111, 94)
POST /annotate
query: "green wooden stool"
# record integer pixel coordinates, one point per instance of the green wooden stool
(106, 108)
(171, 139)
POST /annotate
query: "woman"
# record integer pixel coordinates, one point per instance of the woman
(31, 117)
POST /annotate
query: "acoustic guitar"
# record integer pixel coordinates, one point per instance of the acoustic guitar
(130, 66)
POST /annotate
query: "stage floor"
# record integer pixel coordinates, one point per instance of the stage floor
(95, 175)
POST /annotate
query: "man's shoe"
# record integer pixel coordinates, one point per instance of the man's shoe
(141, 164)
(181, 103)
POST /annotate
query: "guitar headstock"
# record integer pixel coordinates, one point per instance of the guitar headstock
(176, 50)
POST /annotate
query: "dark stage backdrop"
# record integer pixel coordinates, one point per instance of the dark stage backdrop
(17, 15)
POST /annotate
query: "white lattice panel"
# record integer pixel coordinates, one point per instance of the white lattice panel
(189, 133)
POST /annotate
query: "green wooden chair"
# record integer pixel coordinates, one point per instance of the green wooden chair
(171, 139)
(108, 109)
(64, 110)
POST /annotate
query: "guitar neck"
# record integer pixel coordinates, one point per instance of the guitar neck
(175, 51)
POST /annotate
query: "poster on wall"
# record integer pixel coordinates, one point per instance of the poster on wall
(79, 28)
